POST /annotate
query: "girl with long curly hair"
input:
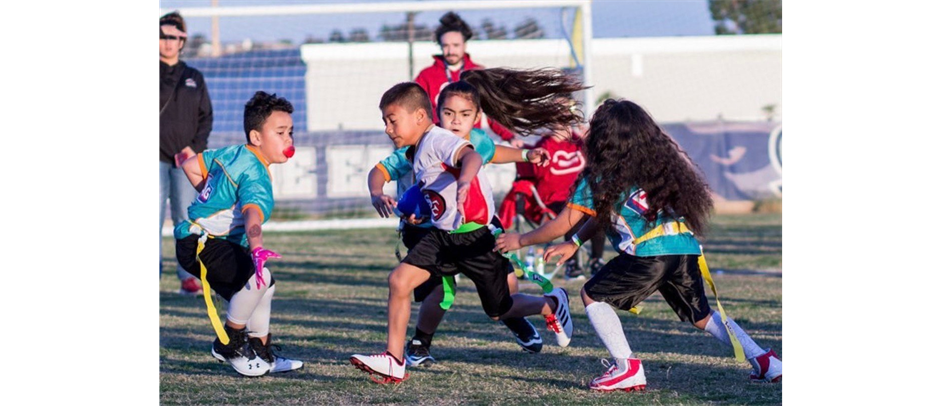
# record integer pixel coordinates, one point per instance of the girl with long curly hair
(653, 201)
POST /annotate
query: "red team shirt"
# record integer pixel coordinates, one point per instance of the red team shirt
(566, 161)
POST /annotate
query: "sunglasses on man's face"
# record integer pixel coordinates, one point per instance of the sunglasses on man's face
(170, 37)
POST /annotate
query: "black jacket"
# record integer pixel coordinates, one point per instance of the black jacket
(187, 116)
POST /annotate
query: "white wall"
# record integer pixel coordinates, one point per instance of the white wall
(693, 78)
(675, 78)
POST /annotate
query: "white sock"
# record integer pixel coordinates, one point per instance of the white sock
(257, 325)
(715, 327)
(244, 302)
(608, 327)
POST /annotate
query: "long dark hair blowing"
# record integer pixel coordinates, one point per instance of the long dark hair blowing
(525, 101)
(626, 148)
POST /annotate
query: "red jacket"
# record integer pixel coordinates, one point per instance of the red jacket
(434, 78)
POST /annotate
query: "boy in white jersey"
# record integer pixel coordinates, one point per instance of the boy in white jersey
(221, 242)
(447, 168)
(459, 110)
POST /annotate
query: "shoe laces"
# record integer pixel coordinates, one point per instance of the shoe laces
(383, 355)
(263, 350)
(552, 323)
(609, 366)
(243, 345)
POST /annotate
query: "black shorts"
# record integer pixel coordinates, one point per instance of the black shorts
(411, 235)
(427, 287)
(228, 265)
(472, 254)
(627, 280)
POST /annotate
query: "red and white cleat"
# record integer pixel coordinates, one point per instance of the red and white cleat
(766, 367)
(384, 365)
(629, 380)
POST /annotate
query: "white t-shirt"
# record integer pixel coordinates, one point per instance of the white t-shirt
(435, 170)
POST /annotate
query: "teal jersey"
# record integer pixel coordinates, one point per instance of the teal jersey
(237, 179)
(665, 236)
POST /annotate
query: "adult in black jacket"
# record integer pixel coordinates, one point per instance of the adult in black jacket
(186, 118)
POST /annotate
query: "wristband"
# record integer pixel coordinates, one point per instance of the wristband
(575, 240)
(523, 152)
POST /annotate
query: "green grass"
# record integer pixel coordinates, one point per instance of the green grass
(330, 304)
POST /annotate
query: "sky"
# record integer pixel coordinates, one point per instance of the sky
(611, 18)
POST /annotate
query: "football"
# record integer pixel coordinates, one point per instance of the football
(413, 202)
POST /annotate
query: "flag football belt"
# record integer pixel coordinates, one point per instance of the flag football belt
(210, 307)
(674, 228)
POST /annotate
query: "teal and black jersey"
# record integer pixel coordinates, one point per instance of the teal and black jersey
(236, 179)
(632, 234)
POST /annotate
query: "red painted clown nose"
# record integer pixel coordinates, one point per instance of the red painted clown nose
(289, 152)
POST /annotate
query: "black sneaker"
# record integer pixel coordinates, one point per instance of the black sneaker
(238, 345)
(240, 354)
(573, 271)
(595, 264)
(278, 363)
(417, 354)
(525, 334)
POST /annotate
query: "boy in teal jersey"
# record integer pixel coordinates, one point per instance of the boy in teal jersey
(643, 190)
(459, 111)
(221, 242)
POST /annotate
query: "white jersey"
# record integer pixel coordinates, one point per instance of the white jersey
(437, 172)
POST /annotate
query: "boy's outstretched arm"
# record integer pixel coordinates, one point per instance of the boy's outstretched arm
(381, 202)
(470, 163)
(191, 167)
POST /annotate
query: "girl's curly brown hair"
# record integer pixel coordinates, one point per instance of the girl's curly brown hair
(626, 148)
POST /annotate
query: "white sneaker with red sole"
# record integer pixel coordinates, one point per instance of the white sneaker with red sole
(629, 380)
(384, 365)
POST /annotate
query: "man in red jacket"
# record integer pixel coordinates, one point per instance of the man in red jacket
(452, 36)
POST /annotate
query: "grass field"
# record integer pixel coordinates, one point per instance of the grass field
(330, 304)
